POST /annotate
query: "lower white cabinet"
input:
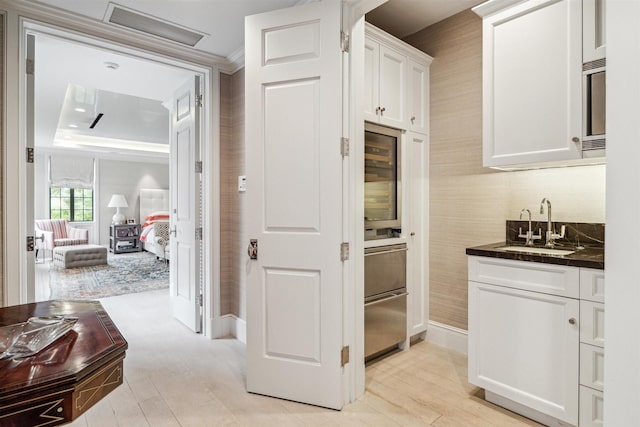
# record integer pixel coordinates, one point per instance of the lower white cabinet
(522, 346)
(533, 343)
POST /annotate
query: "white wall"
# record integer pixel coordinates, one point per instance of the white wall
(112, 176)
(125, 178)
(622, 293)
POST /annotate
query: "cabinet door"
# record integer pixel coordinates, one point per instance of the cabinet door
(593, 28)
(393, 86)
(371, 80)
(418, 94)
(417, 200)
(532, 68)
(524, 346)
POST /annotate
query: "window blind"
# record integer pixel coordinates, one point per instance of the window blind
(72, 172)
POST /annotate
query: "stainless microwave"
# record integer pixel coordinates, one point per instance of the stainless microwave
(594, 111)
(382, 183)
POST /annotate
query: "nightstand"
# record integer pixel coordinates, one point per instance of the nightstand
(124, 238)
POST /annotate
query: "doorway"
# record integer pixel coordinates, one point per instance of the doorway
(152, 74)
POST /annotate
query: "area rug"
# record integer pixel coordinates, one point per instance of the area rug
(124, 274)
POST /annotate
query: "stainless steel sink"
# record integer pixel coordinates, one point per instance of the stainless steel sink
(534, 250)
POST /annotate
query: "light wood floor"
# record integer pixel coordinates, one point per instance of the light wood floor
(176, 378)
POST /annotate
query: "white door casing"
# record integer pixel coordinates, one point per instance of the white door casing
(294, 187)
(185, 275)
(29, 169)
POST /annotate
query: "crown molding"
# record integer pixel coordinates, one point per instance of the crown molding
(236, 60)
(52, 16)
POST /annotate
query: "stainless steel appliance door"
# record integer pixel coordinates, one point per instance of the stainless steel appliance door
(385, 323)
(597, 99)
(385, 269)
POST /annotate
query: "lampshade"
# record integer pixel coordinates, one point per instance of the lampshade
(118, 201)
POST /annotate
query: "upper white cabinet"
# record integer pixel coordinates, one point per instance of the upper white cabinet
(385, 80)
(594, 34)
(532, 82)
(418, 97)
(396, 82)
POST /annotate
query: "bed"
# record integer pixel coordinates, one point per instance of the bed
(154, 214)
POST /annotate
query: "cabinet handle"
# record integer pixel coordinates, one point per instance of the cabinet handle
(382, 110)
(413, 120)
(377, 111)
(413, 233)
(572, 321)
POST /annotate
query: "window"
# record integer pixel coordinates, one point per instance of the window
(73, 204)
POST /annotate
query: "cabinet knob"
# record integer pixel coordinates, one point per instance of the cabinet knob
(575, 139)
(413, 120)
(413, 233)
(382, 110)
(572, 321)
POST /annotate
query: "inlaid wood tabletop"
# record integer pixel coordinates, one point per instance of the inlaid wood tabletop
(66, 378)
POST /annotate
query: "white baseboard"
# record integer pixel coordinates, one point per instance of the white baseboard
(447, 336)
(228, 325)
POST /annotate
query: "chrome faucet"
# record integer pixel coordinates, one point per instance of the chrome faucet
(529, 236)
(551, 234)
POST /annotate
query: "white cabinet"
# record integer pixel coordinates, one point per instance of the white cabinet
(594, 34)
(536, 338)
(418, 97)
(385, 85)
(417, 199)
(532, 82)
(524, 345)
(591, 347)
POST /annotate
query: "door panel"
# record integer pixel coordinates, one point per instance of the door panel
(185, 287)
(294, 194)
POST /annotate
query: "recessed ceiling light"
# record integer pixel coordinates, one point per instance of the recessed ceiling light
(112, 65)
(73, 126)
(80, 110)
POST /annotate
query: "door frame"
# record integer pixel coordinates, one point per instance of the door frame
(23, 22)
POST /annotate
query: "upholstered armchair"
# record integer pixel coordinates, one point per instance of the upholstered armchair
(57, 232)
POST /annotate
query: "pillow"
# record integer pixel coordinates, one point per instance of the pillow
(156, 216)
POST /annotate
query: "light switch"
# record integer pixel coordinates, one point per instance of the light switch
(242, 183)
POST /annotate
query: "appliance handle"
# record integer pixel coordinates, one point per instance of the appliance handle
(390, 251)
(387, 298)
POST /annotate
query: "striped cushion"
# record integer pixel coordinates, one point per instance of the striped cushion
(69, 242)
(57, 226)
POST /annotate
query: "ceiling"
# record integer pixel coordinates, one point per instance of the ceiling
(62, 65)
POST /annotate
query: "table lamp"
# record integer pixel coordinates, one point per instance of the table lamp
(118, 201)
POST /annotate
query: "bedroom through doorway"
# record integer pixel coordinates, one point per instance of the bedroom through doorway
(112, 111)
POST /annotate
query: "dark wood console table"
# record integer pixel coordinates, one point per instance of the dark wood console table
(65, 379)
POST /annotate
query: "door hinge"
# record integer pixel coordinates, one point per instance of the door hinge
(31, 67)
(344, 41)
(199, 233)
(344, 251)
(30, 243)
(344, 355)
(30, 154)
(199, 100)
(198, 166)
(344, 146)
(200, 302)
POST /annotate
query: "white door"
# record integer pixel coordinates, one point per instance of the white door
(294, 189)
(418, 219)
(185, 287)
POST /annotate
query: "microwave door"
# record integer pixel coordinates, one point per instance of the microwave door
(596, 104)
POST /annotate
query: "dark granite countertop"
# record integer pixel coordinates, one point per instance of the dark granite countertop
(589, 257)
